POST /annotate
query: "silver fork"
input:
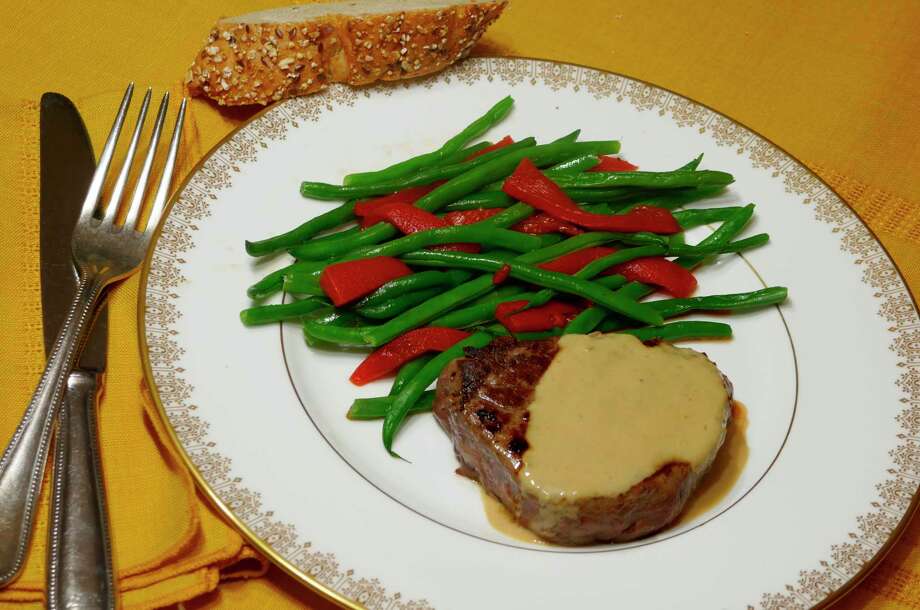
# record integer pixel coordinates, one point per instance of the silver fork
(104, 252)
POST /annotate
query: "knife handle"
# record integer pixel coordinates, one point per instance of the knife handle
(79, 554)
(23, 463)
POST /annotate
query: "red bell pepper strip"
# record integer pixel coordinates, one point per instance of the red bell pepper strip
(574, 261)
(350, 280)
(529, 185)
(613, 164)
(673, 278)
(468, 217)
(501, 275)
(410, 219)
(539, 224)
(389, 358)
(500, 144)
(405, 217)
(364, 209)
(535, 225)
(554, 314)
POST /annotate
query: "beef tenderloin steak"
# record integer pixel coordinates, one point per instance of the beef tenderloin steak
(581, 487)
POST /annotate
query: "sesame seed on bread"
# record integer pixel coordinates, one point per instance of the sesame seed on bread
(265, 56)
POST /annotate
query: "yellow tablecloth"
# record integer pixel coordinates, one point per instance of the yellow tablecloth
(836, 83)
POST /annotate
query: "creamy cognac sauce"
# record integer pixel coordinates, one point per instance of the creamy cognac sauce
(609, 411)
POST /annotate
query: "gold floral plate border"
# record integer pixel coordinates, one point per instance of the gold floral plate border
(846, 563)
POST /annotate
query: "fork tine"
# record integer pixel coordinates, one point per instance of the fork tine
(105, 159)
(159, 200)
(111, 209)
(140, 189)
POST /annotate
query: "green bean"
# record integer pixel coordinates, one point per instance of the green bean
(413, 390)
(603, 263)
(323, 222)
(396, 305)
(668, 308)
(585, 322)
(576, 242)
(730, 228)
(511, 216)
(692, 165)
(338, 234)
(479, 233)
(265, 314)
(298, 283)
(464, 153)
(504, 290)
(324, 190)
(754, 241)
(589, 318)
(676, 331)
(673, 179)
(548, 239)
(479, 313)
(408, 371)
(471, 181)
(274, 281)
(411, 283)
(475, 129)
(500, 331)
(694, 218)
(673, 199)
(559, 282)
(474, 233)
(699, 251)
(377, 407)
(329, 317)
(337, 247)
(611, 195)
(574, 165)
(599, 208)
(611, 281)
(482, 200)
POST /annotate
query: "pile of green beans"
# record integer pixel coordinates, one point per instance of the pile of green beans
(460, 289)
(493, 116)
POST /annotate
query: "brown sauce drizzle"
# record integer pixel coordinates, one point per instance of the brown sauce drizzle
(726, 469)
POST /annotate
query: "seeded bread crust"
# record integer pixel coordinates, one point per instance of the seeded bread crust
(258, 63)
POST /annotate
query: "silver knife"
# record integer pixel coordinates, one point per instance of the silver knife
(79, 573)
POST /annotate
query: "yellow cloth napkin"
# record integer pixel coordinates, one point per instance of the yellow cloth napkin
(182, 548)
(835, 83)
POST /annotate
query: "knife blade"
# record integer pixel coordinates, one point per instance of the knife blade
(67, 164)
(79, 555)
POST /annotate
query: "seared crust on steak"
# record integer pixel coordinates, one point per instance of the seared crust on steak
(482, 403)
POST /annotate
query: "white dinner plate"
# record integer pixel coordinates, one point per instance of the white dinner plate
(831, 379)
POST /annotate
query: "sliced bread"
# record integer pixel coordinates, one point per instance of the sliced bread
(265, 56)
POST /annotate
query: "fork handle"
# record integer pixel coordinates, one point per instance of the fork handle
(23, 463)
(79, 573)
